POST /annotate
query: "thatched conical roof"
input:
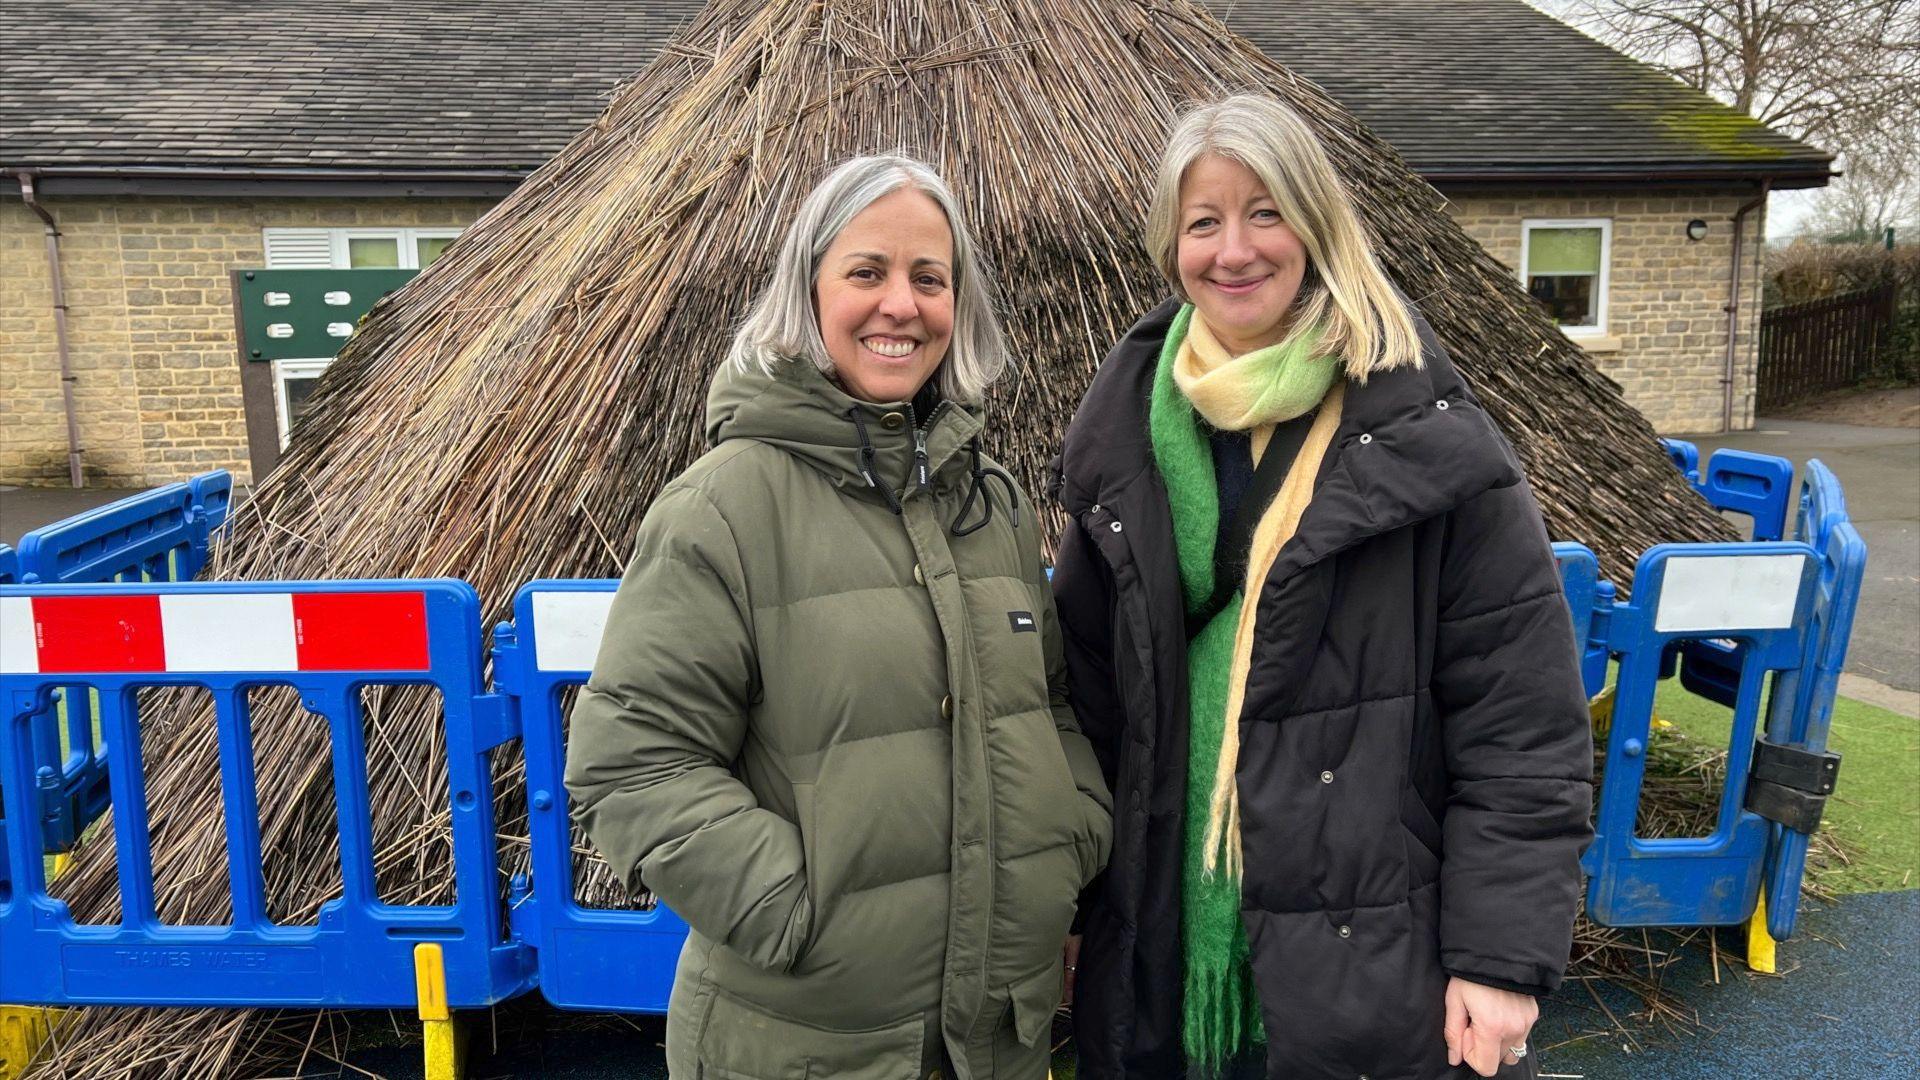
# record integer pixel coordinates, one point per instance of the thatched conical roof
(509, 414)
(550, 371)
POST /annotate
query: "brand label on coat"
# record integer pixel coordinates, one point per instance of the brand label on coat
(1023, 622)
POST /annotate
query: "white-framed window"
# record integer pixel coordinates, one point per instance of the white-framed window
(292, 388)
(1565, 264)
(338, 249)
(355, 248)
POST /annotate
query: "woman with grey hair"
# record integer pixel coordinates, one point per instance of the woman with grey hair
(1316, 636)
(827, 725)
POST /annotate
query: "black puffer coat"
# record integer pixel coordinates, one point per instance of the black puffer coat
(1415, 756)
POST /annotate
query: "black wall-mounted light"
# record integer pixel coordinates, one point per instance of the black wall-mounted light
(1696, 229)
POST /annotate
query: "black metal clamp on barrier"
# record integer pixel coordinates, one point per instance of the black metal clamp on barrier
(1790, 785)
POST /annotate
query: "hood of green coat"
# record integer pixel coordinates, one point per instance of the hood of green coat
(801, 411)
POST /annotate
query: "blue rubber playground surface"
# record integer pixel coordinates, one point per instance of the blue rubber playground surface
(1846, 1005)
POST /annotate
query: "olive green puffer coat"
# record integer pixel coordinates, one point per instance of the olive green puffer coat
(831, 735)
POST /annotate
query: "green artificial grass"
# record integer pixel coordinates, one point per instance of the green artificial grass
(1875, 808)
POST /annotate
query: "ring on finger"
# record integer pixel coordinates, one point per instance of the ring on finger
(1518, 1052)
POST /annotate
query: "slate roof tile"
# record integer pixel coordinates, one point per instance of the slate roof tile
(491, 85)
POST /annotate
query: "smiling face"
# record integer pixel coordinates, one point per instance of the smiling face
(884, 294)
(1240, 264)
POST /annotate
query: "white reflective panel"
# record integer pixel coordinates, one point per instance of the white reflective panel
(338, 298)
(229, 632)
(1729, 592)
(280, 330)
(340, 329)
(19, 649)
(567, 628)
(278, 299)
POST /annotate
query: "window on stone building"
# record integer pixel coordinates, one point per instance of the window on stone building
(293, 382)
(355, 248)
(338, 249)
(427, 249)
(1564, 264)
(373, 252)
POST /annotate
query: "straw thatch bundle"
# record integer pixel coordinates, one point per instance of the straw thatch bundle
(509, 414)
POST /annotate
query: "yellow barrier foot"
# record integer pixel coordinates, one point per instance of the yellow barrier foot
(1600, 711)
(444, 1039)
(1760, 944)
(24, 1029)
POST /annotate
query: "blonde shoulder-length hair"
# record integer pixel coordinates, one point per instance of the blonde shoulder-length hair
(1345, 296)
(784, 325)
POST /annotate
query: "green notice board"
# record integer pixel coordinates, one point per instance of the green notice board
(305, 314)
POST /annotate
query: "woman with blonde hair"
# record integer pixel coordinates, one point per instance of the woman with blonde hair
(1316, 635)
(827, 725)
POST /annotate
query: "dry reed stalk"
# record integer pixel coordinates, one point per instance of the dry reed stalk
(509, 413)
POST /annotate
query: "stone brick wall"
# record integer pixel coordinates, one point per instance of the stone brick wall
(1666, 336)
(150, 325)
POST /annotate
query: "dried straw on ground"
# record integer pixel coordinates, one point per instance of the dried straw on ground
(509, 414)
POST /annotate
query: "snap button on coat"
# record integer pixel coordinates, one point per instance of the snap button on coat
(1326, 777)
(893, 421)
(946, 707)
(919, 575)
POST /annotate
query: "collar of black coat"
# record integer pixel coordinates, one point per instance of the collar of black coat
(1398, 457)
(801, 411)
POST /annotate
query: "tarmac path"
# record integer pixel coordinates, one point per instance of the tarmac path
(23, 509)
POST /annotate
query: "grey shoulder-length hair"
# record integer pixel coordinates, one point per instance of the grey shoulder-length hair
(783, 324)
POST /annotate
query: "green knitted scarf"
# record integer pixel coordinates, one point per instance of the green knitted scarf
(1221, 1010)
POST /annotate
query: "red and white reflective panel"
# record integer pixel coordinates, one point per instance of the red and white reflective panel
(567, 628)
(1729, 592)
(181, 633)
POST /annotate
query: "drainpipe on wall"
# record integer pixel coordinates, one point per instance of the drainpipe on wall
(59, 326)
(1733, 302)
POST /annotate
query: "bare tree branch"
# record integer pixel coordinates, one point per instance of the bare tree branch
(1839, 74)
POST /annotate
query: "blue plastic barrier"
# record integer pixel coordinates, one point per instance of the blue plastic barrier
(1589, 600)
(212, 495)
(326, 639)
(133, 539)
(9, 573)
(603, 960)
(1686, 458)
(1757, 485)
(1802, 704)
(1761, 487)
(158, 535)
(1763, 597)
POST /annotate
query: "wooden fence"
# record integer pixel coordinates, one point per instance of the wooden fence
(1821, 344)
